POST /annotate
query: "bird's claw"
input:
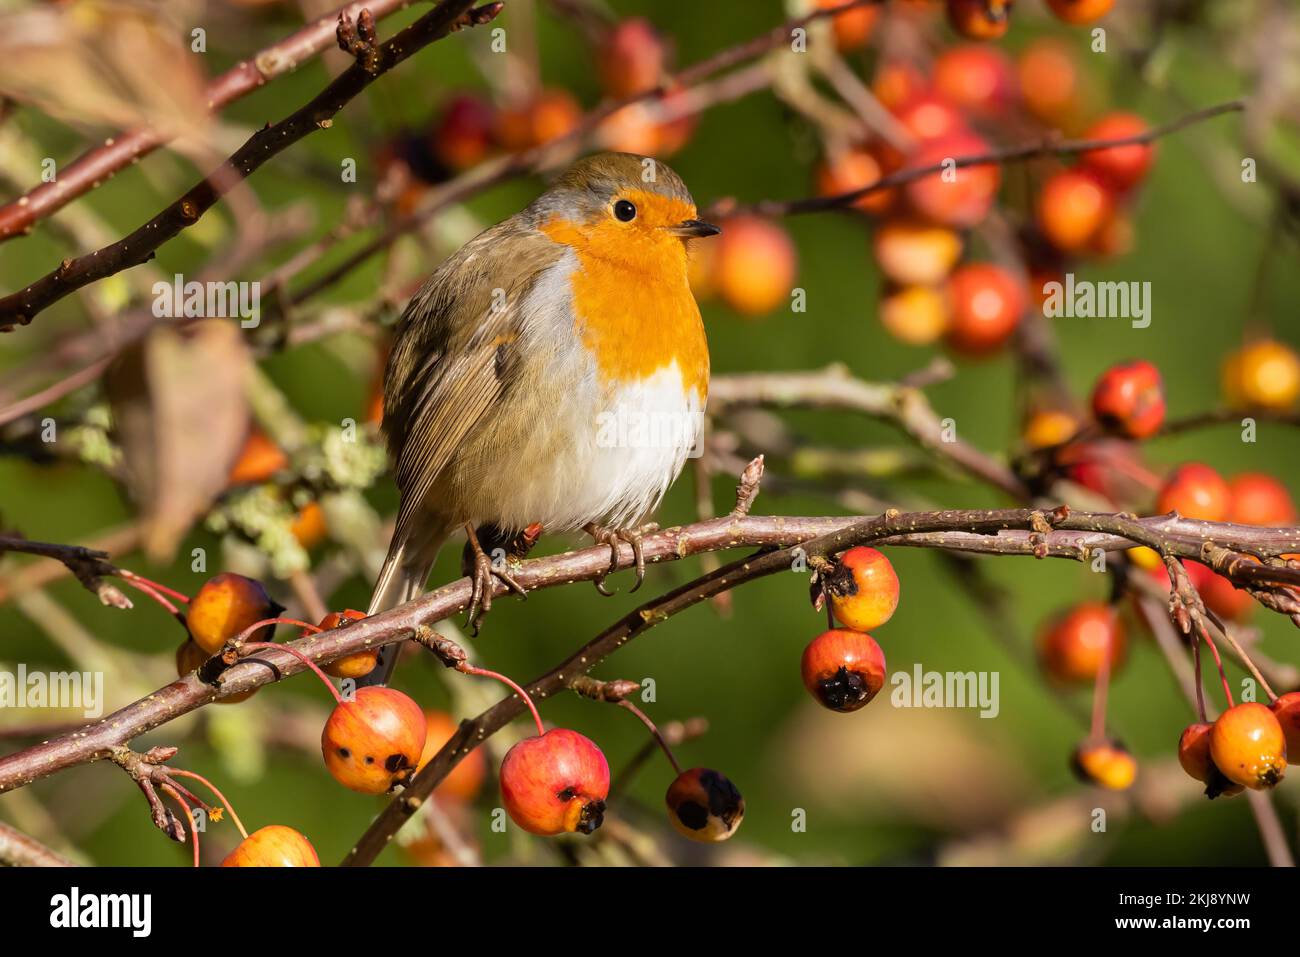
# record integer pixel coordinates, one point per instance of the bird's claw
(612, 537)
(482, 580)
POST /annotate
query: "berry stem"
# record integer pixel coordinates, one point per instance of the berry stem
(1227, 691)
(265, 645)
(1200, 684)
(1245, 658)
(220, 797)
(654, 730)
(148, 589)
(156, 586)
(472, 670)
(189, 817)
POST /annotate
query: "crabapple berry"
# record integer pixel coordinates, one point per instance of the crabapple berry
(1073, 206)
(1049, 81)
(550, 115)
(462, 134)
(1105, 763)
(462, 783)
(1249, 746)
(980, 19)
(843, 669)
(1262, 375)
(987, 303)
(852, 28)
(349, 666)
(704, 805)
(226, 605)
(631, 58)
(374, 741)
(961, 196)
(1050, 427)
(555, 783)
(863, 589)
(1194, 756)
(1287, 711)
(1260, 499)
(915, 253)
(1130, 399)
(1123, 167)
(929, 116)
(1075, 645)
(273, 846)
(977, 77)
(1195, 490)
(754, 264)
(917, 315)
(852, 169)
(259, 459)
(1080, 11)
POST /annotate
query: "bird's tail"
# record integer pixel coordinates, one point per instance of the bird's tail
(401, 579)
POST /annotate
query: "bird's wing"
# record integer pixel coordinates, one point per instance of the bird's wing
(456, 353)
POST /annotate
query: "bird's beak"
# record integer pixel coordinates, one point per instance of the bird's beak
(694, 229)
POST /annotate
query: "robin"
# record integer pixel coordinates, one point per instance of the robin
(552, 371)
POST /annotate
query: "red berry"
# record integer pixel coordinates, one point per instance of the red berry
(704, 805)
(1194, 756)
(852, 27)
(631, 59)
(959, 196)
(863, 589)
(980, 19)
(1075, 645)
(1123, 167)
(929, 116)
(1248, 746)
(987, 304)
(1259, 499)
(1130, 399)
(226, 605)
(1195, 490)
(1287, 711)
(1073, 207)
(273, 846)
(843, 669)
(374, 741)
(1080, 11)
(349, 666)
(555, 783)
(464, 131)
(977, 77)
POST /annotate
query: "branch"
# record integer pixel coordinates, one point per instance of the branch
(19, 850)
(89, 566)
(122, 149)
(371, 62)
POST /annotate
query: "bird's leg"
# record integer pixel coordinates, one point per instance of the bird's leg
(481, 574)
(612, 537)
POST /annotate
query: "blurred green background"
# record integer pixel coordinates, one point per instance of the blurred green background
(880, 786)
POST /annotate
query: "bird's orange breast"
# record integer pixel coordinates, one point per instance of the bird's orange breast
(632, 303)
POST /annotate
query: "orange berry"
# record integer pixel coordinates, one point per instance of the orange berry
(843, 669)
(226, 605)
(1073, 207)
(462, 134)
(1224, 598)
(1107, 764)
(1074, 646)
(631, 58)
(1249, 746)
(552, 114)
(349, 666)
(273, 846)
(466, 778)
(980, 19)
(1195, 490)
(987, 303)
(1260, 499)
(308, 525)
(1287, 711)
(259, 459)
(1049, 81)
(1129, 398)
(896, 82)
(755, 265)
(635, 128)
(373, 742)
(1194, 756)
(916, 315)
(1050, 427)
(853, 27)
(976, 77)
(959, 196)
(1122, 167)
(1080, 11)
(929, 116)
(704, 805)
(862, 588)
(1263, 375)
(852, 169)
(912, 252)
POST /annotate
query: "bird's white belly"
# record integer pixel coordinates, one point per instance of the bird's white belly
(625, 452)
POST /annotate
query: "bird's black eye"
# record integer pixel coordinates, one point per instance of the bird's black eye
(624, 211)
